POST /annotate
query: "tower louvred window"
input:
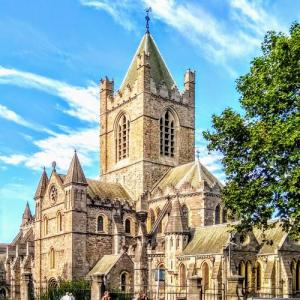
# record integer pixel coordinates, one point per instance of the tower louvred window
(123, 138)
(167, 134)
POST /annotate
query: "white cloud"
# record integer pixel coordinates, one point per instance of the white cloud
(237, 35)
(252, 15)
(60, 148)
(119, 10)
(10, 115)
(83, 102)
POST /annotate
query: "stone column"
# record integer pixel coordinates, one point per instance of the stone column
(97, 286)
(235, 287)
(194, 287)
(24, 289)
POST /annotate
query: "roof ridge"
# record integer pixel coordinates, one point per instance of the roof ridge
(158, 69)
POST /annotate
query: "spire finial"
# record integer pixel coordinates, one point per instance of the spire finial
(148, 10)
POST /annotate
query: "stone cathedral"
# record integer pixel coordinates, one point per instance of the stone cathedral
(154, 220)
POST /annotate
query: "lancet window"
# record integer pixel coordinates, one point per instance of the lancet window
(123, 137)
(167, 134)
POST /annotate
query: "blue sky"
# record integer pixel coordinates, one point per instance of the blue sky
(53, 54)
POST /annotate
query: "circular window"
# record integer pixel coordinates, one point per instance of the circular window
(53, 195)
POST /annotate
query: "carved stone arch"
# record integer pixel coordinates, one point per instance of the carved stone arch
(205, 274)
(160, 271)
(218, 213)
(52, 258)
(102, 223)
(248, 275)
(4, 292)
(45, 225)
(258, 275)
(52, 283)
(242, 268)
(59, 221)
(124, 281)
(129, 225)
(173, 111)
(182, 275)
(121, 113)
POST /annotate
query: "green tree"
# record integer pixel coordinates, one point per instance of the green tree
(260, 147)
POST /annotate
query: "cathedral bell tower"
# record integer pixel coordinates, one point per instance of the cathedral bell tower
(147, 126)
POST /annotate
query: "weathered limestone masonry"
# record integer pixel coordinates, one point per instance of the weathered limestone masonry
(154, 221)
(144, 94)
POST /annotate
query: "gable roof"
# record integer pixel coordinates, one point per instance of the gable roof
(193, 173)
(208, 240)
(271, 240)
(105, 264)
(97, 188)
(158, 69)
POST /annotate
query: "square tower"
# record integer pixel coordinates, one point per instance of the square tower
(148, 125)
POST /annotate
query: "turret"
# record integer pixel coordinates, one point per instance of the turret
(27, 216)
(189, 88)
(176, 234)
(40, 192)
(106, 94)
(75, 218)
(75, 185)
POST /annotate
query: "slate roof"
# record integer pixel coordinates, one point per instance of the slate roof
(208, 240)
(105, 264)
(158, 69)
(105, 190)
(193, 173)
(75, 173)
(271, 239)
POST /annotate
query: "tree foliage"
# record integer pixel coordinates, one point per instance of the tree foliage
(261, 146)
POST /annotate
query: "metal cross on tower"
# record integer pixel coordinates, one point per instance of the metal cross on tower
(148, 10)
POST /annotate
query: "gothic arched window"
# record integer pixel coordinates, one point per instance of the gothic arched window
(124, 278)
(127, 226)
(123, 137)
(167, 134)
(100, 224)
(248, 276)
(182, 274)
(218, 214)
(160, 273)
(205, 275)
(46, 228)
(52, 258)
(59, 221)
(242, 269)
(258, 276)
